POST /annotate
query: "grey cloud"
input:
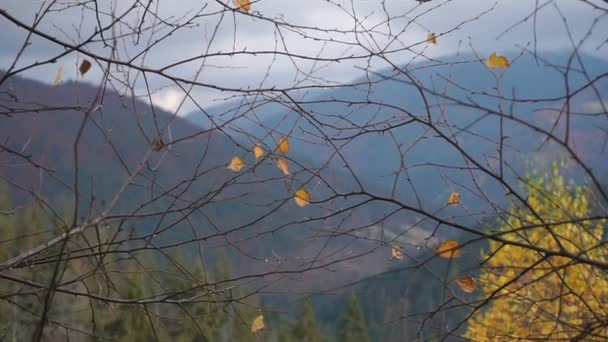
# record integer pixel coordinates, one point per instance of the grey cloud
(255, 34)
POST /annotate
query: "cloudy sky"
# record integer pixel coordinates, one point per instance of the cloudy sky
(463, 26)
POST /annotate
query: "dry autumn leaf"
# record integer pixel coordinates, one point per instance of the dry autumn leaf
(448, 249)
(282, 165)
(283, 144)
(302, 198)
(58, 76)
(467, 284)
(396, 252)
(257, 324)
(525, 278)
(258, 151)
(158, 144)
(243, 5)
(454, 198)
(236, 164)
(84, 67)
(431, 38)
(497, 61)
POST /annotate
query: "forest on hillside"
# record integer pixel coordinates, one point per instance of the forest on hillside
(328, 170)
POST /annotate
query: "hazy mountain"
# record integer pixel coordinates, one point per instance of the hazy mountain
(392, 300)
(36, 122)
(121, 130)
(386, 96)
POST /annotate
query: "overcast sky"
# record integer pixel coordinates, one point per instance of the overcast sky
(238, 31)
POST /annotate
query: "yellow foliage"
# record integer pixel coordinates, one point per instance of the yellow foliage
(257, 324)
(302, 198)
(282, 165)
(556, 298)
(236, 164)
(283, 144)
(258, 151)
(449, 249)
(243, 5)
(497, 61)
(454, 198)
(396, 252)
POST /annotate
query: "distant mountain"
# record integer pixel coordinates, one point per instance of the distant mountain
(189, 176)
(386, 96)
(391, 301)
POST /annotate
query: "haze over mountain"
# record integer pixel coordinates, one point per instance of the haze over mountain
(388, 97)
(121, 130)
(226, 210)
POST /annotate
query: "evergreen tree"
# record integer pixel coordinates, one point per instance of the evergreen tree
(352, 326)
(306, 328)
(132, 322)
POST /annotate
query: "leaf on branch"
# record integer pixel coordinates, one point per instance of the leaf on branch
(84, 67)
(58, 76)
(396, 252)
(258, 151)
(158, 144)
(283, 144)
(526, 278)
(236, 164)
(467, 284)
(243, 5)
(448, 249)
(454, 198)
(257, 324)
(431, 38)
(302, 198)
(497, 61)
(282, 165)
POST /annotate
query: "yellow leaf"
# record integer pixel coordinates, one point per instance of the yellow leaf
(58, 76)
(497, 61)
(448, 249)
(257, 324)
(84, 67)
(396, 252)
(431, 38)
(236, 164)
(302, 198)
(282, 164)
(454, 198)
(243, 5)
(258, 151)
(283, 144)
(158, 144)
(467, 284)
(534, 310)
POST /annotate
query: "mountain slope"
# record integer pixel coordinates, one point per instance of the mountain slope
(459, 94)
(182, 193)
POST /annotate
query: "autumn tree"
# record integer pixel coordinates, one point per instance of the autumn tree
(531, 295)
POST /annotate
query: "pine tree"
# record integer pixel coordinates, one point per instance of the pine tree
(133, 322)
(8, 221)
(352, 326)
(306, 328)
